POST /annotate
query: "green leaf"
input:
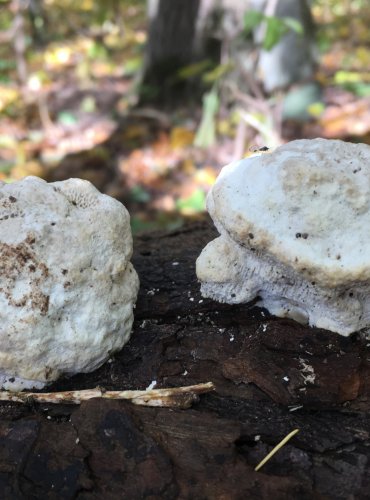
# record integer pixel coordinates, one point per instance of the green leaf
(353, 81)
(301, 103)
(344, 77)
(316, 109)
(6, 64)
(196, 202)
(67, 118)
(97, 51)
(252, 18)
(140, 226)
(217, 73)
(360, 89)
(275, 29)
(5, 79)
(206, 133)
(195, 69)
(133, 65)
(6, 167)
(139, 194)
(88, 104)
(293, 25)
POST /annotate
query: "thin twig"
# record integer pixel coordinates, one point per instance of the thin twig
(269, 134)
(45, 119)
(270, 7)
(255, 103)
(240, 139)
(277, 448)
(160, 116)
(180, 397)
(253, 85)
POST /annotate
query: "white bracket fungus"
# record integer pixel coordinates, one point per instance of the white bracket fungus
(295, 231)
(67, 287)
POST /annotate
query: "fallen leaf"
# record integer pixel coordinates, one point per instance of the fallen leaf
(181, 137)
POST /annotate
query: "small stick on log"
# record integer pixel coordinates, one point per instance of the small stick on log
(179, 397)
(277, 448)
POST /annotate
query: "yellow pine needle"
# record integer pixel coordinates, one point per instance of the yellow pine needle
(277, 448)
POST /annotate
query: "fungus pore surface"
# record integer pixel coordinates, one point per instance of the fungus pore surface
(67, 287)
(294, 231)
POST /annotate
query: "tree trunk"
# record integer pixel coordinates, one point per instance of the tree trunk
(184, 31)
(38, 22)
(170, 44)
(19, 39)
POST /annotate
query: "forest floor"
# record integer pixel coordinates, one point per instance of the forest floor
(77, 115)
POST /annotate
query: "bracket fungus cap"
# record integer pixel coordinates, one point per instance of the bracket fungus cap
(294, 226)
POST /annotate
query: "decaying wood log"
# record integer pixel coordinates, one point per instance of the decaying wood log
(271, 376)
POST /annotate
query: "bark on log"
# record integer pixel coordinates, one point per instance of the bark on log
(271, 376)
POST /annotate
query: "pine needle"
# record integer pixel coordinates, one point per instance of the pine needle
(277, 448)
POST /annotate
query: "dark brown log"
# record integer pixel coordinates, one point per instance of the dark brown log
(271, 376)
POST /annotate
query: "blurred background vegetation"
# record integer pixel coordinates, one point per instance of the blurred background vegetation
(149, 99)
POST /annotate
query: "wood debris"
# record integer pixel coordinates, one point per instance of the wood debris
(178, 397)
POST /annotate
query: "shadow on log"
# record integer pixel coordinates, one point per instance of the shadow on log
(271, 376)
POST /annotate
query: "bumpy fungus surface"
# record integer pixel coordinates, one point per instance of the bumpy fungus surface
(295, 231)
(67, 287)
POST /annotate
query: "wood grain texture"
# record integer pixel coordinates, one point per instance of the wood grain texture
(271, 376)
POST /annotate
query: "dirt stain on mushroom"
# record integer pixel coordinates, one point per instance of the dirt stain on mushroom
(19, 267)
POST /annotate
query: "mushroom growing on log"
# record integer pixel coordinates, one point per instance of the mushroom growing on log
(294, 231)
(67, 287)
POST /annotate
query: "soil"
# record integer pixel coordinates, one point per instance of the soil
(271, 376)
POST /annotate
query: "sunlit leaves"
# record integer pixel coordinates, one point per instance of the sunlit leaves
(88, 104)
(132, 65)
(252, 19)
(356, 82)
(217, 73)
(274, 27)
(298, 102)
(67, 118)
(206, 133)
(139, 194)
(8, 95)
(194, 203)
(193, 70)
(58, 55)
(181, 137)
(316, 109)
(293, 24)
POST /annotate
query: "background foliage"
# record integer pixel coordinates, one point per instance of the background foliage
(71, 78)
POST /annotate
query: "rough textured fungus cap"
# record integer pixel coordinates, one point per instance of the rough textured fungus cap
(295, 225)
(67, 287)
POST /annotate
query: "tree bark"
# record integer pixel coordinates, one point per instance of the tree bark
(271, 376)
(170, 44)
(19, 39)
(183, 31)
(38, 21)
